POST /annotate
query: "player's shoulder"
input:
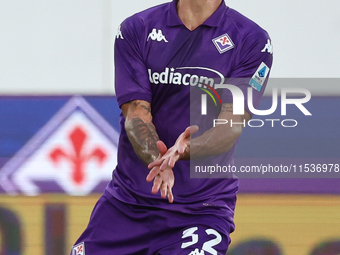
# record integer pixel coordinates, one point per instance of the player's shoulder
(146, 17)
(245, 26)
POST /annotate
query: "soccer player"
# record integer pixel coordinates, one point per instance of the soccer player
(166, 58)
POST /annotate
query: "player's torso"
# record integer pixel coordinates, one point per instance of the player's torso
(178, 57)
(180, 61)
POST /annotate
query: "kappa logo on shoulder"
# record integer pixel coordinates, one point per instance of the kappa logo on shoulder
(119, 34)
(157, 35)
(223, 43)
(79, 249)
(268, 47)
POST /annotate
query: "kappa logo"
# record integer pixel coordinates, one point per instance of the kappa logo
(157, 36)
(119, 34)
(268, 47)
(73, 153)
(223, 43)
(78, 249)
(197, 252)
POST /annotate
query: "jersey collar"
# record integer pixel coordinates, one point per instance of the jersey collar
(213, 21)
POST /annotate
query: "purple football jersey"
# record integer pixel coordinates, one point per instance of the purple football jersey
(159, 60)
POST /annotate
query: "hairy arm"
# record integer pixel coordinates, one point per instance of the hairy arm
(140, 130)
(218, 139)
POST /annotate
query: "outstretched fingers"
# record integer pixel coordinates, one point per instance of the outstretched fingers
(193, 129)
(157, 183)
(154, 166)
(170, 195)
(161, 147)
(153, 173)
(164, 182)
(162, 150)
(166, 192)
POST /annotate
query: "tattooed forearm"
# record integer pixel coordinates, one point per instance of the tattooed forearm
(143, 137)
(136, 105)
(140, 130)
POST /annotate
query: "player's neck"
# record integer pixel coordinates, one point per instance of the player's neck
(194, 12)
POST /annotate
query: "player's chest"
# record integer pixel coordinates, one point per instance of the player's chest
(207, 52)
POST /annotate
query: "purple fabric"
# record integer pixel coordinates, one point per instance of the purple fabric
(158, 60)
(115, 226)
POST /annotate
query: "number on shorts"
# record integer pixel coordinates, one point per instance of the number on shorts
(187, 233)
(208, 245)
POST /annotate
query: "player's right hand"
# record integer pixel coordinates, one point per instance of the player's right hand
(155, 170)
(164, 182)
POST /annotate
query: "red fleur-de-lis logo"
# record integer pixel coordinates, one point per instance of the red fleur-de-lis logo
(79, 249)
(78, 159)
(224, 40)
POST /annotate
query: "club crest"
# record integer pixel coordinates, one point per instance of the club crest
(223, 43)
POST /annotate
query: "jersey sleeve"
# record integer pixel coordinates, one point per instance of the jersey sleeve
(131, 78)
(252, 68)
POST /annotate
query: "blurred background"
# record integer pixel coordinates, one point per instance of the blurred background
(59, 125)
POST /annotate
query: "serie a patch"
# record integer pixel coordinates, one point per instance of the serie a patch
(259, 77)
(78, 249)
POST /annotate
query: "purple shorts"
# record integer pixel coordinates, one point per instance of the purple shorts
(121, 229)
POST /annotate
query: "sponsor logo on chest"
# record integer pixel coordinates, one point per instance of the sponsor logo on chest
(176, 77)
